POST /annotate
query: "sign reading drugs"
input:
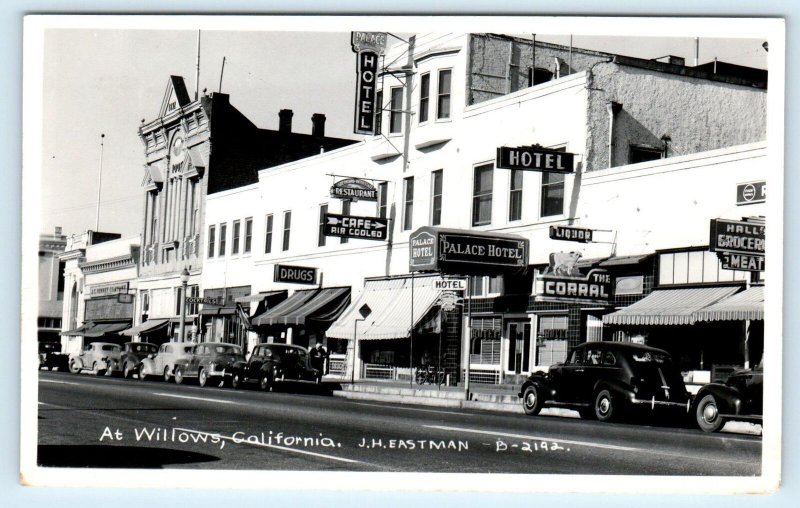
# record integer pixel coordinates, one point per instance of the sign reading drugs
(562, 281)
(532, 158)
(466, 252)
(295, 274)
(354, 189)
(368, 46)
(346, 226)
(571, 234)
(737, 237)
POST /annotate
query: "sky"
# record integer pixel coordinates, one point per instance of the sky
(107, 81)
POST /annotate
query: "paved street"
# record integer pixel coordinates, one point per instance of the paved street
(111, 422)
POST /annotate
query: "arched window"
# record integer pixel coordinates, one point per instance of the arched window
(73, 307)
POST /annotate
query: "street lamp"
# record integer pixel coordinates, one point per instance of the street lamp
(184, 282)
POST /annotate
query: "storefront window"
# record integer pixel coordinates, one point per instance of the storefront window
(551, 340)
(485, 334)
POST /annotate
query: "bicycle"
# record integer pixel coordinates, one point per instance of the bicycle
(430, 376)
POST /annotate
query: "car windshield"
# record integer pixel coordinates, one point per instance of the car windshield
(229, 350)
(187, 349)
(143, 348)
(110, 348)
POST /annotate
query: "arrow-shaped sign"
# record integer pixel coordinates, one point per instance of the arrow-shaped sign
(347, 226)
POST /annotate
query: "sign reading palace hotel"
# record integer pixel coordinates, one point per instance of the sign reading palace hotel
(469, 252)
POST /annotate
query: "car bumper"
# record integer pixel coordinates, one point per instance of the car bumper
(652, 404)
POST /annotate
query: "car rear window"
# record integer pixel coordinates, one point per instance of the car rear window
(110, 348)
(649, 357)
(187, 349)
(231, 350)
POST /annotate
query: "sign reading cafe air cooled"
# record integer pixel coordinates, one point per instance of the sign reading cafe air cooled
(467, 252)
(346, 226)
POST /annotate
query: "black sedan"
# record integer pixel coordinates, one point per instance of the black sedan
(741, 397)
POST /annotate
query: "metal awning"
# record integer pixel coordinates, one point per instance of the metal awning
(390, 303)
(79, 330)
(218, 311)
(151, 325)
(258, 297)
(749, 304)
(306, 306)
(94, 329)
(669, 306)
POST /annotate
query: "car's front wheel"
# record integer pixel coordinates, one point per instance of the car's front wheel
(178, 375)
(236, 380)
(531, 402)
(166, 375)
(142, 375)
(73, 367)
(604, 406)
(265, 383)
(202, 377)
(127, 371)
(707, 414)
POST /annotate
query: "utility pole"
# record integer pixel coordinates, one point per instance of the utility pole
(99, 184)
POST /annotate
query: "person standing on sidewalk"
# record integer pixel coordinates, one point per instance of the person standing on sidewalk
(319, 356)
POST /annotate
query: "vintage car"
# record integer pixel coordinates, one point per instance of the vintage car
(132, 355)
(270, 363)
(210, 363)
(162, 363)
(604, 380)
(741, 397)
(99, 357)
(51, 357)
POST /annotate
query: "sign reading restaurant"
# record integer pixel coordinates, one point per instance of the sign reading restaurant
(346, 226)
(295, 274)
(368, 46)
(571, 234)
(534, 158)
(354, 189)
(466, 252)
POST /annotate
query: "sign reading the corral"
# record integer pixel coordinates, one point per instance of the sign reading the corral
(354, 189)
(295, 274)
(751, 193)
(737, 237)
(450, 284)
(594, 287)
(466, 252)
(742, 262)
(535, 159)
(207, 300)
(571, 234)
(346, 226)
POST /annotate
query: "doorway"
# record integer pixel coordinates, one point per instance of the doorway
(519, 346)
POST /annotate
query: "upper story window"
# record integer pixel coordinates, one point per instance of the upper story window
(484, 286)
(482, 195)
(212, 231)
(694, 267)
(287, 229)
(443, 99)
(268, 234)
(237, 232)
(379, 112)
(552, 194)
(248, 235)
(436, 197)
(515, 195)
(383, 199)
(396, 110)
(408, 203)
(345, 211)
(424, 96)
(223, 238)
(321, 238)
(639, 153)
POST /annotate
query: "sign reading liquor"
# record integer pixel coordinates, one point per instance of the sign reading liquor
(346, 226)
(738, 237)
(354, 189)
(533, 158)
(295, 274)
(751, 193)
(741, 262)
(466, 252)
(571, 234)
(594, 287)
(368, 45)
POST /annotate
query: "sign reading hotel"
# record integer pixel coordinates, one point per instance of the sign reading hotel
(533, 158)
(751, 193)
(346, 226)
(368, 46)
(354, 189)
(450, 284)
(466, 252)
(295, 274)
(571, 234)
(562, 281)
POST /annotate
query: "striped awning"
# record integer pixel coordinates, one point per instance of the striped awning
(95, 329)
(749, 304)
(305, 306)
(257, 297)
(151, 325)
(390, 303)
(669, 306)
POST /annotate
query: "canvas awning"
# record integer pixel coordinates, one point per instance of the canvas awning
(390, 303)
(258, 297)
(151, 325)
(305, 307)
(94, 329)
(749, 304)
(669, 306)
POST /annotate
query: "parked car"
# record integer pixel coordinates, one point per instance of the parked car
(99, 357)
(132, 355)
(270, 363)
(210, 362)
(603, 380)
(162, 362)
(741, 397)
(51, 357)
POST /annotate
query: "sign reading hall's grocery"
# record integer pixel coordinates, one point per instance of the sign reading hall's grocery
(738, 237)
(295, 274)
(346, 226)
(354, 189)
(466, 252)
(571, 234)
(531, 158)
(368, 46)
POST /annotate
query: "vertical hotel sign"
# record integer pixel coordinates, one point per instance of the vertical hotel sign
(368, 46)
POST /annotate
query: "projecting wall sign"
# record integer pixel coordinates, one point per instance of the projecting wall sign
(531, 158)
(354, 189)
(368, 45)
(346, 226)
(295, 274)
(466, 252)
(571, 234)
(751, 193)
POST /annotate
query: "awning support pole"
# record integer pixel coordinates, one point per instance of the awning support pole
(411, 338)
(468, 338)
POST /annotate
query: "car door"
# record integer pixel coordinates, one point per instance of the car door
(255, 363)
(593, 371)
(568, 376)
(196, 358)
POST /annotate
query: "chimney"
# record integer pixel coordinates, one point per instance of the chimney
(58, 230)
(285, 122)
(318, 125)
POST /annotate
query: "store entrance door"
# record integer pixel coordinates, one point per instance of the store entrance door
(519, 346)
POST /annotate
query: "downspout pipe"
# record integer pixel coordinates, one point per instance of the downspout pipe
(613, 108)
